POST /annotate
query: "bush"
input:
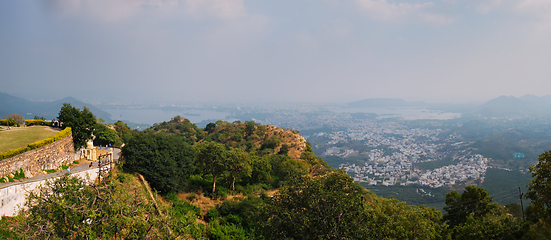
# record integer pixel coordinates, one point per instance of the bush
(60, 135)
(192, 197)
(212, 214)
(222, 192)
(230, 231)
(122, 177)
(7, 122)
(19, 175)
(13, 152)
(31, 122)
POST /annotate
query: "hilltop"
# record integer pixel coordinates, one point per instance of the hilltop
(247, 135)
(46, 109)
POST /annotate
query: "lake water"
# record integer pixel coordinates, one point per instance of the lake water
(405, 113)
(150, 116)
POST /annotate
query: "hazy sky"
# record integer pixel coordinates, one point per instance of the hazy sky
(283, 50)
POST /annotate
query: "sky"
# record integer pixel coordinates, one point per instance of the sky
(439, 51)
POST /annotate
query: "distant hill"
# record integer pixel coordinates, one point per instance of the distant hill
(48, 109)
(509, 105)
(385, 103)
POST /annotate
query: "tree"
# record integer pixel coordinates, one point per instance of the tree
(392, 219)
(210, 128)
(105, 135)
(163, 160)
(81, 122)
(18, 119)
(539, 189)
(331, 207)
(238, 165)
(459, 206)
(250, 127)
(211, 157)
(284, 150)
(124, 132)
(515, 210)
(497, 224)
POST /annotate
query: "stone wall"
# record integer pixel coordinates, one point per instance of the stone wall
(35, 161)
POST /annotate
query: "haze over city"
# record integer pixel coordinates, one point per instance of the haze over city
(309, 51)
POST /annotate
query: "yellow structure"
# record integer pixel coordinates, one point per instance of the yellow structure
(90, 151)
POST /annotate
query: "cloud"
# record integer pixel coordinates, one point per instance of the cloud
(540, 9)
(487, 6)
(108, 10)
(227, 9)
(383, 10)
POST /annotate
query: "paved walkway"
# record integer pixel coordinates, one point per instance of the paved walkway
(82, 166)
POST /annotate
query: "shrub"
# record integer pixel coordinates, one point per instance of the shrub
(7, 122)
(222, 192)
(13, 152)
(31, 122)
(230, 231)
(192, 197)
(212, 214)
(60, 135)
(19, 175)
(40, 143)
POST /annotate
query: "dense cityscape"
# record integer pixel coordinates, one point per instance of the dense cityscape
(392, 151)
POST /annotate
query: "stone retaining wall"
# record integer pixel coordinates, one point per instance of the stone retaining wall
(33, 162)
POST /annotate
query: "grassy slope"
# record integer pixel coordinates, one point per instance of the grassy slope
(20, 137)
(503, 185)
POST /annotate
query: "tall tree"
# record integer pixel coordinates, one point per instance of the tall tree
(473, 200)
(105, 135)
(82, 123)
(17, 118)
(211, 157)
(238, 165)
(539, 189)
(331, 207)
(162, 159)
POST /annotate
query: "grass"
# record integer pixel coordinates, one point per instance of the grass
(20, 137)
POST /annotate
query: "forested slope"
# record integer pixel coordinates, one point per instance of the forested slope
(252, 181)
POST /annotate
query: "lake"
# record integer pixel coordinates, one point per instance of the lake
(405, 113)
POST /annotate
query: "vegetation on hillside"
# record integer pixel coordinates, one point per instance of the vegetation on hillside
(267, 184)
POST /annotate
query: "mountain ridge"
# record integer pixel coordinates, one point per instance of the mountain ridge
(48, 109)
